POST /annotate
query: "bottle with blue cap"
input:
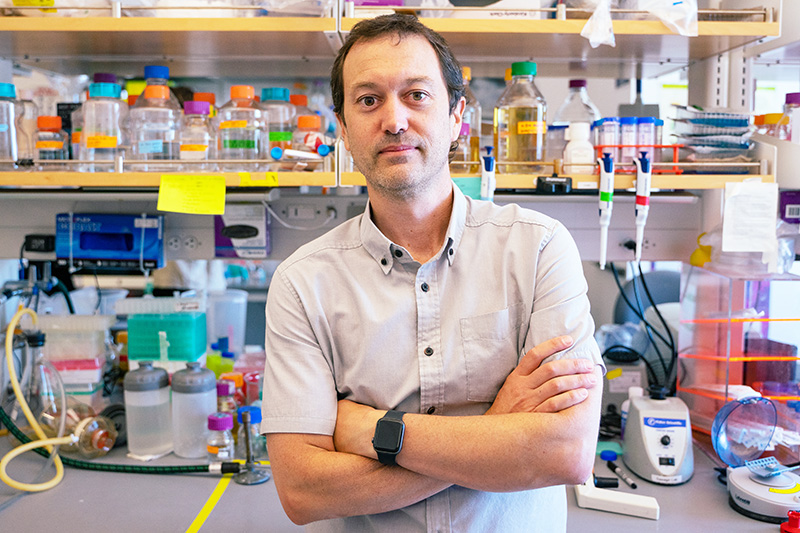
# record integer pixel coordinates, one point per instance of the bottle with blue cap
(281, 116)
(258, 442)
(103, 116)
(8, 129)
(157, 75)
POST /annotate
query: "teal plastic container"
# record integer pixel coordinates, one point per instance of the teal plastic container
(185, 335)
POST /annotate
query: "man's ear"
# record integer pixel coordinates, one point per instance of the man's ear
(343, 130)
(457, 117)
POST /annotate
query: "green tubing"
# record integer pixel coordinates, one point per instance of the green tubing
(102, 467)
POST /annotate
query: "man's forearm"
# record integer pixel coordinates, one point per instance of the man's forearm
(316, 483)
(498, 453)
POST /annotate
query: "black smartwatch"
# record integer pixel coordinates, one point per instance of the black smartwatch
(388, 439)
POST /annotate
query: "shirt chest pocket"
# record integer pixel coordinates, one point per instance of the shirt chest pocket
(491, 351)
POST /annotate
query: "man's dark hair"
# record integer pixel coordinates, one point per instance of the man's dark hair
(401, 25)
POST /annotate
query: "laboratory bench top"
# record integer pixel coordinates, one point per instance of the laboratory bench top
(99, 501)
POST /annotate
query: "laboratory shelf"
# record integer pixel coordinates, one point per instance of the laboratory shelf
(191, 47)
(786, 155)
(47, 179)
(644, 47)
(621, 181)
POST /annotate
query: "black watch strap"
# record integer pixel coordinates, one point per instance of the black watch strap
(390, 457)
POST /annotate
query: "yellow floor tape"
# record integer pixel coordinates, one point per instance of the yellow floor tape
(212, 501)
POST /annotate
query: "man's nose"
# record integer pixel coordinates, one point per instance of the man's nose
(395, 116)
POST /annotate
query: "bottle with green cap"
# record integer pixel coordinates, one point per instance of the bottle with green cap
(520, 122)
(101, 138)
(8, 129)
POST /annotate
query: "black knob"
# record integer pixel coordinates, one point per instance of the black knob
(665, 440)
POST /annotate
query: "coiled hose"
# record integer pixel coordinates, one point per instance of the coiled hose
(58, 461)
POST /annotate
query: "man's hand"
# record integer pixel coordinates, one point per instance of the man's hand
(355, 426)
(550, 387)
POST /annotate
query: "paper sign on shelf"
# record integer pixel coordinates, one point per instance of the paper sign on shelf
(749, 219)
(196, 195)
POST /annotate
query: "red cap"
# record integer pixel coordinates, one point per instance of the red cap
(299, 99)
(48, 123)
(793, 525)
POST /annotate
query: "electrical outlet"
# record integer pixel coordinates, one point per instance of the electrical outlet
(190, 242)
(174, 243)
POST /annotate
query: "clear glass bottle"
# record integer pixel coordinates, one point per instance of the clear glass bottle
(153, 130)
(77, 130)
(194, 398)
(226, 400)
(258, 442)
(520, 122)
(784, 130)
(220, 445)
(101, 137)
(577, 107)
(281, 114)
(307, 138)
(26, 128)
(300, 103)
(463, 153)
(50, 143)
(8, 131)
(240, 128)
(148, 414)
(472, 117)
(198, 140)
(158, 75)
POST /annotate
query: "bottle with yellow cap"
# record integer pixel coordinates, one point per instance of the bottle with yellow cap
(773, 122)
(50, 143)
(520, 123)
(153, 130)
(471, 130)
(241, 125)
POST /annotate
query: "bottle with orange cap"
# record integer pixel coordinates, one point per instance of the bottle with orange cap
(50, 143)
(307, 138)
(153, 129)
(158, 75)
(241, 126)
(211, 98)
(300, 103)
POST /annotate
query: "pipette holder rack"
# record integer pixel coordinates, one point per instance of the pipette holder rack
(630, 168)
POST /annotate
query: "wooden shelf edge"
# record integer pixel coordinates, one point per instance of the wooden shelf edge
(621, 181)
(157, 24)
(12, 180)
(575, 26)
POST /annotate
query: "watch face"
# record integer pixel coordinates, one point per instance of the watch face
(388, 435)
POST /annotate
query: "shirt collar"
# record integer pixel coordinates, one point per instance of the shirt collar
(382, 249)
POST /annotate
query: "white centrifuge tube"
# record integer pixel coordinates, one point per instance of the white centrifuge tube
(606, 202)
(644, 176)
(488, 182)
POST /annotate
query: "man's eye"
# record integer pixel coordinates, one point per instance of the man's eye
(368, 101)
(418, 96)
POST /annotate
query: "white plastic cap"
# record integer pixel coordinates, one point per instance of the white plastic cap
(579, 131)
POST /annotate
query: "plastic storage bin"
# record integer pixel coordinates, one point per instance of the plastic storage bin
(75, 336)
(185, 334)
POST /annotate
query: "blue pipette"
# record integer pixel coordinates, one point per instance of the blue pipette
(488, 182)
(606, 202)
(644, 176)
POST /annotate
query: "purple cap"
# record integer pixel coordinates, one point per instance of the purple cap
(793, 98)
(105, 77)
(225, 387)
(577, 83)
(220, 421)
(196, 108)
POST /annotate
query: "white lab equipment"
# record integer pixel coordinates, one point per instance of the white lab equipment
(579, 153)
(606, 202)
(644, 176)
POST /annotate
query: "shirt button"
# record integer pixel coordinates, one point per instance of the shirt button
(429, 351)
(450, 251)
(398, 253)
(383, 261)
(431, 409)
(424, 287)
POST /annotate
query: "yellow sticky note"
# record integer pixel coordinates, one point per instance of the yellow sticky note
(258, 179)
(196, 195)
(611, 374)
